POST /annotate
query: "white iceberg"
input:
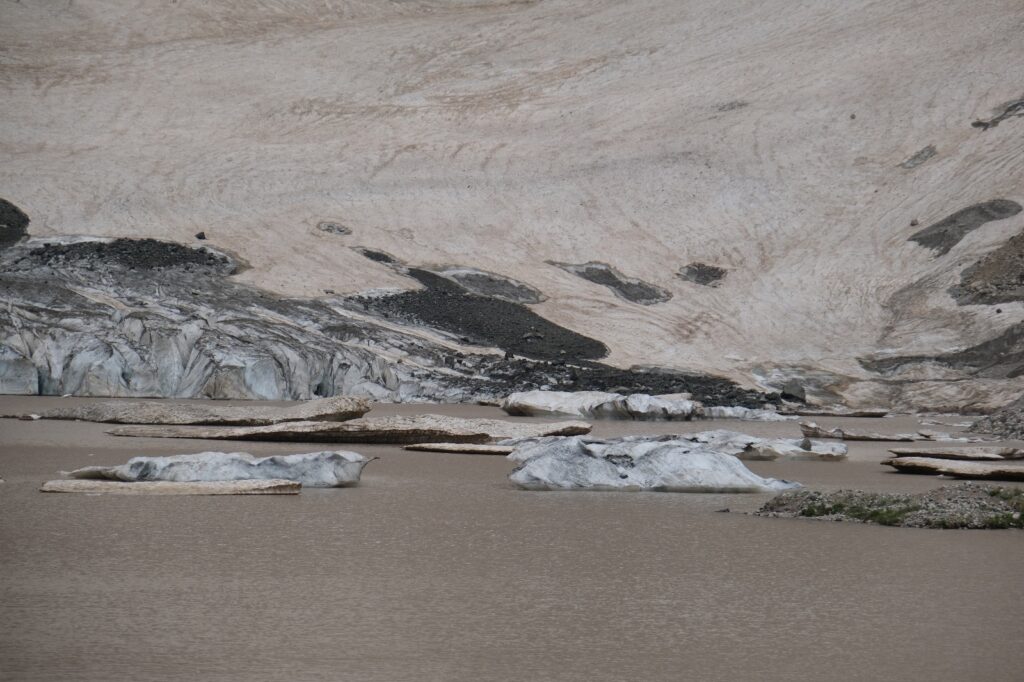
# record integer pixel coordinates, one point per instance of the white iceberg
(329, 469)
(560, 463)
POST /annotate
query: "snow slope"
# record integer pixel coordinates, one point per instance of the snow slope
(768, 139)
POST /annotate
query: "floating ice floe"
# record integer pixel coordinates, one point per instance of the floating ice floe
(601, 405)
(329, 469)
(572, 463)
(740, 445)
(746, 414)
(635, 406)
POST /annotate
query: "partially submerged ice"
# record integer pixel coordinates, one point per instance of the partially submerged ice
(329, 469)
(423, 428)
(601, 405)
(630, 465)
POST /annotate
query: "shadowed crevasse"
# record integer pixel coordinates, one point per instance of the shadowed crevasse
(947, 233)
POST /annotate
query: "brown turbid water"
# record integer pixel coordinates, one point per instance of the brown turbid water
(436, 568)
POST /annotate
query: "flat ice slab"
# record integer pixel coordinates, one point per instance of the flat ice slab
(92, 487)
(330, 469)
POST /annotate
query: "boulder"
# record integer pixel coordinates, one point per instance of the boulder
(336, 469)
(395, 430)
(338, 408)
(665, 466)
(249, 487)
(462, 448)
(601, 405)
(989, 471)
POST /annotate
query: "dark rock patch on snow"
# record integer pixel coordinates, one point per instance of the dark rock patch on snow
(333, 228)
(947, 233)
(733, 105)
(1009, 110)
(444, 304)
(628, 288)
(377, 256)
(920, 157)
(702, 273)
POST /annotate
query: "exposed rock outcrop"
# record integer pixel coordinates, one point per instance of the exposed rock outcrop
(1005, 423)
(396, 430)
(964, 505)
(947, 233)
(672, 466)
(328, 469)
(338, 408)
(996, 278)
(247, 487)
